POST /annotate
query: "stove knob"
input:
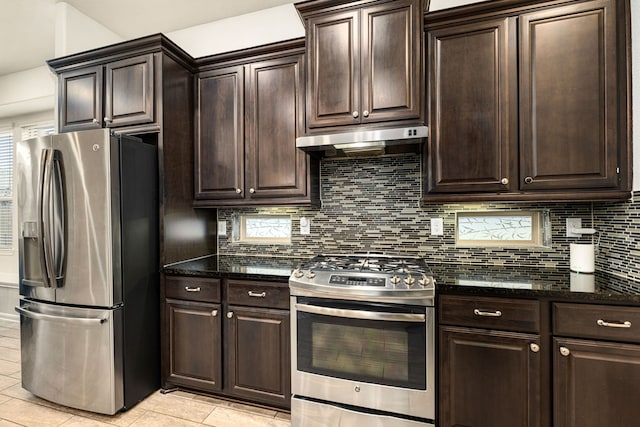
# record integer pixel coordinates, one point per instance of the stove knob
(298, 274)
(395, 280)
(424, 281)
(311, 274)
(409, 280)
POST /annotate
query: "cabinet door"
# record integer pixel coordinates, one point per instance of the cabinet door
(595, 384)
(333, 76)
(129, 92)
(274, 167)
(473, 92)
(568, 97)
(195, 347)
(259, 354)
(80, 99)
(219, 169)
(489, 378)
(391, 64)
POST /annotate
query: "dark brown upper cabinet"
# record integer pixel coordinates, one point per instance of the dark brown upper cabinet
(143, 87)
(248, 115)
(116, 94)
(364, 62)
(528, 102)
(474, 128)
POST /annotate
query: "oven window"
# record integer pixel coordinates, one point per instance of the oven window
(375, 351)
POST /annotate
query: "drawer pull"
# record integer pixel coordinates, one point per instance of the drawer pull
(190, 289)
(565, 351)
(230, 315)
(626, 324)
(486, 313)
(534, 347)
(214, 313)
(256, 294)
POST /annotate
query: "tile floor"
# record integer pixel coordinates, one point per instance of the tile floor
(18, 407)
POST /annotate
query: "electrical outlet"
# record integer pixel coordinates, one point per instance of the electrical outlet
(573, 223)
(437, 227)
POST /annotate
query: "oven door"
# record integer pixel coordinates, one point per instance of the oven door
(370, 355)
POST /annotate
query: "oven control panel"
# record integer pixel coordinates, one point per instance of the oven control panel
(357, 281)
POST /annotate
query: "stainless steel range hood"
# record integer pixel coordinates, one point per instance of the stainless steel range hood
(363, 140)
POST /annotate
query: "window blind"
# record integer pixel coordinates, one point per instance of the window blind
(36, 130)
(6, 190)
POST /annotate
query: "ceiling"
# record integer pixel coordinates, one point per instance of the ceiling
(28, 33)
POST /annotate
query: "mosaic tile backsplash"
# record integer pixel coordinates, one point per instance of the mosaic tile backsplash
(374, 204)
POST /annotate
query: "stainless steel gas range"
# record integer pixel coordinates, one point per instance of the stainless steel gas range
(362, 340)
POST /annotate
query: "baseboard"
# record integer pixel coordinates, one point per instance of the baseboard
(10, 317)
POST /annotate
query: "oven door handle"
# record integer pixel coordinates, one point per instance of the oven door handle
(360, 314)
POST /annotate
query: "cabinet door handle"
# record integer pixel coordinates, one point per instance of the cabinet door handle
(355, 114)
(230, 315)
(565, 351)
(625, 324)
(257, 295)
(214, 313)
(252, 190)
(365, 113)
(534, 347)
(191, 289)
(238, 190)
(486, 313)
(107, 120)
(504, 181)
(94, 120)
(528, 180)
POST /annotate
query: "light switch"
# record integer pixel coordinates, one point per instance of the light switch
(437, 227)
(222, 228)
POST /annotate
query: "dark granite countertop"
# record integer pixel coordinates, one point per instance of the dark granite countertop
(508, 280)
(517, 281)
(237, 267)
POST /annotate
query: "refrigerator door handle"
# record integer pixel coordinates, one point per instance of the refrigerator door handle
(44, 185)
(76, 320)
(59, 215)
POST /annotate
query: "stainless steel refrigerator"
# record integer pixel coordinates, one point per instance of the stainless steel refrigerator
(89, 269)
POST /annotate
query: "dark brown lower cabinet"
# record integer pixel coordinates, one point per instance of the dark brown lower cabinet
(195, 344)
(258, 354)
(228, 337)
(596, 383)
(489, 378)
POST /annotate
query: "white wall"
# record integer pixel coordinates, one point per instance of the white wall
(446, 4)
(76, 32)
(239, 32)
(26, 92)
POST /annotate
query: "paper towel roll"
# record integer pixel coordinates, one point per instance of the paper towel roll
(582, 282)
(582, 257)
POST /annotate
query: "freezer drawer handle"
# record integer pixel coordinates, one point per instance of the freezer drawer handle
(77, 320)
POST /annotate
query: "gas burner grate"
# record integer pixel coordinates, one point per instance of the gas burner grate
(367, 264)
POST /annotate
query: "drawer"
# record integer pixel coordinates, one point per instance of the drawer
(605, 322)
(258, 294)
(192, 288)
(490, 313)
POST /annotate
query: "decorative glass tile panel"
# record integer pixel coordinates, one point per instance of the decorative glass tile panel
(498, 227)
(262, 228)
(507, 228)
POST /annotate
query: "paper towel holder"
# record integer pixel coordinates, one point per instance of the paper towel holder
(574, 228)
